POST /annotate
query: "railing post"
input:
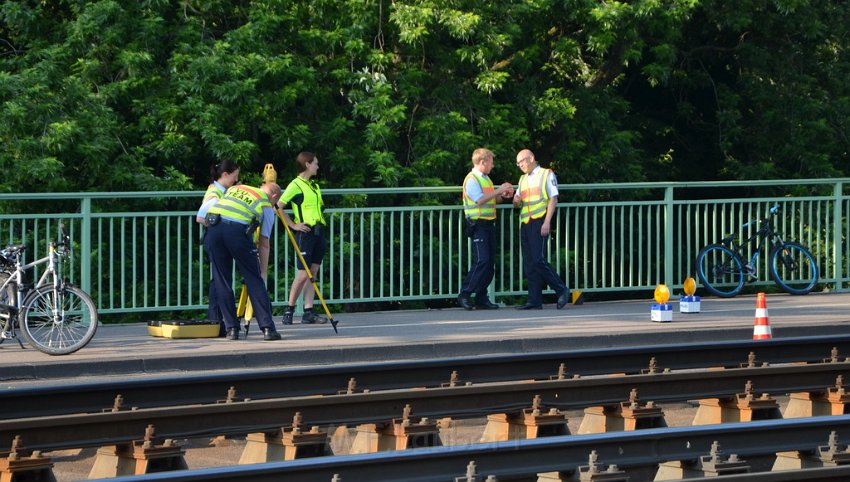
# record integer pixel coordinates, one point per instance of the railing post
(838, 250)
(668, 237)
(85, 245)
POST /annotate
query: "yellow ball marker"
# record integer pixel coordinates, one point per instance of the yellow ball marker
(689, 303)
(689, 286)
(661, 311)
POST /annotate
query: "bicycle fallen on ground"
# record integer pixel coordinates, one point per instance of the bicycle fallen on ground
(723, 269)
(55, 317)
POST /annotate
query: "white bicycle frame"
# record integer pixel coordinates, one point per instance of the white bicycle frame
(20, 269)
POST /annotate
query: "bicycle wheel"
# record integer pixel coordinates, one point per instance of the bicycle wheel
(7, 299)
(793, 268)
(58, 322)
(720, 270)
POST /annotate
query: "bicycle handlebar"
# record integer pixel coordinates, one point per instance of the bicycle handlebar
(773, 211)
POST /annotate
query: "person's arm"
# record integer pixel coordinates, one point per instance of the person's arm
(551, 206)
(205, 207)
(293, 195)
(517, 197)
(263, 246)
(477, 195)
(263, 253)
(292, 224)
(506, 187)
(552, 190)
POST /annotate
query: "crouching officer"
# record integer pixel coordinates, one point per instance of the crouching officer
(232, 222)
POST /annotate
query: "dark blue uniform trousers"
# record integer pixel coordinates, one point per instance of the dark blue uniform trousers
(538, 271)
(225, 243)
(213, 311)
(483, 251)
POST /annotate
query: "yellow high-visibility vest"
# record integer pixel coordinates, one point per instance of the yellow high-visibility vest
(242, 203)
(213, 192)
(310, 210)
(470, 208)
(534, 198)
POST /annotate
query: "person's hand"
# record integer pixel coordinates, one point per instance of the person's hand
(301, 227)
(507, 190)
(544, 229)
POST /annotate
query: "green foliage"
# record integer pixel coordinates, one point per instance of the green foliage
(146, 95)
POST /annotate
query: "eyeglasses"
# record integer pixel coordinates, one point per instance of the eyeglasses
(524, 159)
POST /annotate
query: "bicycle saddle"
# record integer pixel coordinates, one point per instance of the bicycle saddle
(13, 249)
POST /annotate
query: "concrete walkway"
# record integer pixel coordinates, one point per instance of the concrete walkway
(406, 335)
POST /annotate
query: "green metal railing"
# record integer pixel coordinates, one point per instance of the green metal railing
(606, 238)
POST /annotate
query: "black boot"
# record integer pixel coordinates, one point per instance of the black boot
(311, 318)
(287, 315)
(269, 334)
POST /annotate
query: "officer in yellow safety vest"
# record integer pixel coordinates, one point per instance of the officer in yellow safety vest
(232, 222)
(537, 197)
(222, 176)
(479, 208)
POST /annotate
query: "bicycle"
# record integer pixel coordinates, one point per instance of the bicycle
(722, 267)
(55, 317)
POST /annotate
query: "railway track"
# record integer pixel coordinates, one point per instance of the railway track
(80, 416)
(268, 384)
(632, 451)
(238, 417)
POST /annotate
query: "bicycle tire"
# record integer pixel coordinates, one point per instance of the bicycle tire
(7, 297)
(720, 270)
(74, 328)
(793, 258)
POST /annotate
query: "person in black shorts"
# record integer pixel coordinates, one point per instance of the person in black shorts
(305, 198)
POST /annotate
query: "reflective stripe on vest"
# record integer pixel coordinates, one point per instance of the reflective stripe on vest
(534, 199)
(243, 203)
(473, 210)
(213, 192)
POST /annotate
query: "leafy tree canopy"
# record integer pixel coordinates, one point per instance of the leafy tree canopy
(147, 94)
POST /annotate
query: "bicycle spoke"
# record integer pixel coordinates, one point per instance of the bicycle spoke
(793, 268)
(60, 322)
(720, 270)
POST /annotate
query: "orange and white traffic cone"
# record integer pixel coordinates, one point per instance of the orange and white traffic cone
(761, 327)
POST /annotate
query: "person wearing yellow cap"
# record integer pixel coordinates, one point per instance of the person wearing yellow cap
(479, 209)
(537, 198)
(305, 197)
(222, 176)
(232, 222)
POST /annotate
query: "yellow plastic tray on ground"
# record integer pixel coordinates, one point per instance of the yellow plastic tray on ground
(185, 329)
(155, 328)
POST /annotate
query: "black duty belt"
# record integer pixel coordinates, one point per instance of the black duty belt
(227, 221)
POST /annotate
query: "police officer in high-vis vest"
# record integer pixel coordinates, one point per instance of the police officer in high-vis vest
(537, 197)
(479, 208)
(232, 222)
(222, 176)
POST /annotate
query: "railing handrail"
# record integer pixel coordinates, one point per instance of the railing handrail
(435, 189)
(418, 252)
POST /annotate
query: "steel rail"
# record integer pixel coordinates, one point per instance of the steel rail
(328, 380)
(505, 460)
(240, 417)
